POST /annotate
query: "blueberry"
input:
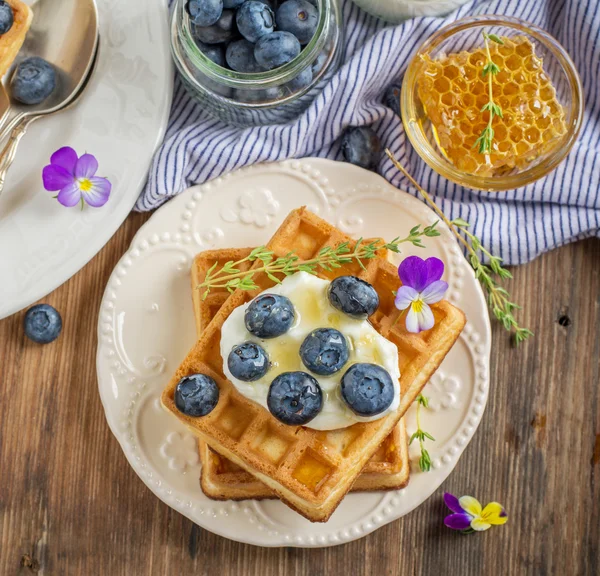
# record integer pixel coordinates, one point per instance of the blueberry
(276, 49)
(42, 324)
(223, 30)
(319, 63)
(240, 57)
(361, 146)
(298, 17)
(254, 20)
(301, 81)
(33, 81)
(391, 98)
(213, 51)
(324, 351)
(204, 12)
(7, 17)
(233, 4)
(353, 296)
(295, 398)
(269, 315)
(196, 395)
(367, 389)
(248, 362)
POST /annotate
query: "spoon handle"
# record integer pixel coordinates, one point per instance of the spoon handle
(9, 152)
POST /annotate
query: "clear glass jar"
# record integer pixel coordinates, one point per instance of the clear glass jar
(262, 98)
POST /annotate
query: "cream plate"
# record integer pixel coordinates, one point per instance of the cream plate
(120, 119)
(146, 326)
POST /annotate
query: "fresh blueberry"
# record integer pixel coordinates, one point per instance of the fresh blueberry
(7, 18)
(42, 324)
(213, 51)
(277, 49)
(254, 20)
(33, 81)
(361, 146)
(298, 17)
(324, 351)
(301, 81)
(367, 389)
(232, 4)
(240, 57)
(353, 296)
(248, 362)
(196, 395)
(295, 398)
(223, 30)
(319, 63)
(391, 98)
(204, 12)
(269, 316)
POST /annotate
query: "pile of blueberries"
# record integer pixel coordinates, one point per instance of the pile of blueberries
(252, 36)
(295, 398)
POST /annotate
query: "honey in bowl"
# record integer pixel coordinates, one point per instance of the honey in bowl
(454, 89)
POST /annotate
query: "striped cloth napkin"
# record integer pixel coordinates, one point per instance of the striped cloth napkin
(516, 225)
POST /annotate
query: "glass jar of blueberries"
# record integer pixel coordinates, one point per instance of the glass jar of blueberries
(256, 62)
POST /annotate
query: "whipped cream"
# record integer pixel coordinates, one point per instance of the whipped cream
(308, 293)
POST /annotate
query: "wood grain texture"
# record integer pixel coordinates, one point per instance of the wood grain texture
(71, 505)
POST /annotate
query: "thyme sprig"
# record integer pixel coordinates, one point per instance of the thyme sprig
(489, 275)
(421, 435)
(231, 277)
(484, 142)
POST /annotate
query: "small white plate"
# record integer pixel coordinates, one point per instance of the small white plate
(146, 327)
(399, 10)
(121, 119)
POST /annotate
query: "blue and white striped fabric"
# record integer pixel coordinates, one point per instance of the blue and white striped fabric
(517, 225)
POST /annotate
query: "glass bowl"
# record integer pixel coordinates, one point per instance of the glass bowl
(466, 35)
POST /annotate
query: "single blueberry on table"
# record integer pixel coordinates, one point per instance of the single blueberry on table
(301, 81)
(391, 98)
(361, 146)
(196, 395)
(269, 316)
(367, 389)
(276, 49)
(33, 81)
(353, 296)
(248, 362)
(255, 20)
(240, 57)
(295, 398)
(223, 30)
(42, 324)
(7, 18)
(324, 351)
(204, 12)
(298, 17)
(215, 52)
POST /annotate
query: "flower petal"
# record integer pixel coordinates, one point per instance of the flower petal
(435, 269)
(405, 296)
(98, 195)
(452, 502)
(434, 292)
(413, 272)
(65, 158)
(69, 195)
(479, 524)
(470, 505)
(425, 318)
(460, 521)
(86, 166)
(494, 514)
(56, 177)
(412, 321)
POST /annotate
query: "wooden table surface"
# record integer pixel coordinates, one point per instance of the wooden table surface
(71, 505)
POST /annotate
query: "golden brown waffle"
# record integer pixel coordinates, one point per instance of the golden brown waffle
(388, 468)
(311, 470)
(11, 42)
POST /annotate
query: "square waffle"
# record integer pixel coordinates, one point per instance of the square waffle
(311, 470)
(11, 42)
(388, 468)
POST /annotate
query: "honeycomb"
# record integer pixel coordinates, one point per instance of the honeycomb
(453, 90)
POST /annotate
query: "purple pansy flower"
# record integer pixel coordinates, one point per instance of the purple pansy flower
(421, 286)
(75, 179)
(469, 516)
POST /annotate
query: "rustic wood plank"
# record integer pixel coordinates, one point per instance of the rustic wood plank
(70, 504)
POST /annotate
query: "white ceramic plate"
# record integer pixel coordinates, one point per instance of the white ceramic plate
(399, 10)
(146, 327)
(120, 119)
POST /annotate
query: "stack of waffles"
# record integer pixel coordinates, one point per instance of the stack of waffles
(11, 42)
(246, 452)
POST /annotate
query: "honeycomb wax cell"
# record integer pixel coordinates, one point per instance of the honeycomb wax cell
(453, 91)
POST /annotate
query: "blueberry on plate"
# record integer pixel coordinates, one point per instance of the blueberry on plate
(295, 398)
(204, 12)
(353, 296)
(277, 49)
(7, 18)
(196, 395)
(215, 52)
(391, 98)
(33, 81)
(301, 81)
(361, 146)
(298, 17)
(324, 351)
(240, 57)
(367, 389)
(223, 30)
(248, 362)
(269, 316)
(255, 20)
(42, 324)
